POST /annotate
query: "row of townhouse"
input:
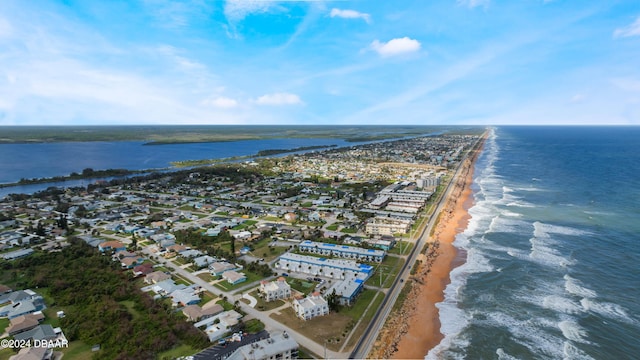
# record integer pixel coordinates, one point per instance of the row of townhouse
(332, 268)
(343, 251)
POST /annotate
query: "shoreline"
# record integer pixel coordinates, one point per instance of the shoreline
(423, 327)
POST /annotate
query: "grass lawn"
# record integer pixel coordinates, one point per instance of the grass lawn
(251, 277)
(206, 277)
(176, 352)
(366, 297)
(402, 246)
(271, 218)
(129, 304)
(266, 306)
(179, 260)
(349, 230)
(302, 286)
(319, 328)
(77, 350)
(206, 297)
(6, 353)
(4, 323)
(180, 280)
(307, 204)
(390, 267)
(333, 227)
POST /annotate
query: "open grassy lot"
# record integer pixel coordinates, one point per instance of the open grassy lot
(376, 297)
(402, 248)
(389, 268)
(266, 306)
(251, 277)
(179, 351)
(206, 277)
(4, 323)
(335, 327)
(77, 350)
(318, 329)
(302, 286)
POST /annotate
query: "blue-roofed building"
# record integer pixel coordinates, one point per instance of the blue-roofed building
(347, 290)
(332, 268)
(343, 251)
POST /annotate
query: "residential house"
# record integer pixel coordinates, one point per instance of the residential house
(278, 346)
(196, 313)
(24, 323)
(40, 332)
(233, 277)
(275, 290)
(311, 306)
(218, 268)
(156, 277)
(111, 245)
(142, 269)
(33, 353)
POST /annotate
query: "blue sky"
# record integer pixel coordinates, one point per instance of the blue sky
(319, 62)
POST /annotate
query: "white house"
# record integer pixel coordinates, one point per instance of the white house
(274, 290)
(311, 306)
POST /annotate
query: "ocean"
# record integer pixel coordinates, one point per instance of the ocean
(552, 249)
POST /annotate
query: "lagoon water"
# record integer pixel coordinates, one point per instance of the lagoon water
(553, 249)
(19, 161)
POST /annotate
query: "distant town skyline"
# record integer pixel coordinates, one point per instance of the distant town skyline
(453, 62)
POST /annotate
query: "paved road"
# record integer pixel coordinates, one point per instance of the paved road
(363, 348)
(270, 324)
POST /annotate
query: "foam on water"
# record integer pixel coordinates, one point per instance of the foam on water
(541, 230)
(572, 331)
(502, 355)
(507, 225)
(609, 310)
(561, 304)
(530, 333)
(573, 286)
(571, 352)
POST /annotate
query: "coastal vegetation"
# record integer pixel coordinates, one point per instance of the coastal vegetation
(102, 305)
(87, 173)
(161, 135)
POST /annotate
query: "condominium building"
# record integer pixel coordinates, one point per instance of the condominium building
(387, 226)
(275, 290)
(311, 306)
(279, 346)
(333, 268)
(343, 251)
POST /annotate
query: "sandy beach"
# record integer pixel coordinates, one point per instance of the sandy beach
(424, 324)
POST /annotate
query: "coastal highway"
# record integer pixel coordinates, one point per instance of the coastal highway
(364, 346)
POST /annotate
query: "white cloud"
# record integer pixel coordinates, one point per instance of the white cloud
(279, 99)
(236, 10)
(577, 98)
(5, 28)
(350, 14)
(221, 102)
(629, 30)
(397, 46)
(473, 3)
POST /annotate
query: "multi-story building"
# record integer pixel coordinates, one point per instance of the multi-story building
(343, 251)
(275, 290)
(387, 226)
(311, 306)
(279, 346)
(332, 268)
